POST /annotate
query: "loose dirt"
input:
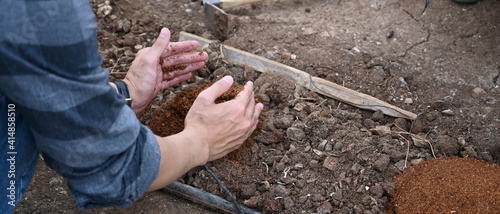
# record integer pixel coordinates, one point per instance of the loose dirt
(315, 154)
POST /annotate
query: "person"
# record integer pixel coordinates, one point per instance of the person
(55, 99)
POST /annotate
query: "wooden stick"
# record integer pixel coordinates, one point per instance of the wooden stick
(315, 84)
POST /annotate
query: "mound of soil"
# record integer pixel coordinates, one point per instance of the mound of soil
(448, 185)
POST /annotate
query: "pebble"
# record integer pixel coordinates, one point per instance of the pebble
(138, 47)
(447, 146)
(448, 112)
(326, 207)
(416, 161)
(378, 115)
(400, 165)
(331, 163)
(408, 101)
(295, 134)
(478, 91)
(381, 130)
(286, 55)
(279, 190)
(377, 191)
(382, 163)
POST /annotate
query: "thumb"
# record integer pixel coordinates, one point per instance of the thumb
(161, 43)
(217, 89)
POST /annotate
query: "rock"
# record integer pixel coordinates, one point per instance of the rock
(249, 73)
(313, 163)
(469, 151)
(268, 137)
(448, 112)
(408, 101)
(382, 163)
(248, 191)
(400, 165)
(446, 146)
(401, 123)
(356, 168)
(295, 134)
(326, 207)
(316, 197)
(286, 55)
(478, 91)
(279, 190)
(322, 145)
(331, 163)
(416, 161)
(438, 104)
(253, 202)
(288, 203)
(381, 130)
(388, 187)
(419, 142)
(419, 124)
(377, 191)
(378, 115)
(369, 123)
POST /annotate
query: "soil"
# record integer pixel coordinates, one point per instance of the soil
(315, 154)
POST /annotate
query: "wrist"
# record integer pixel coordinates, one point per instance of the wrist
(198, 147)
(122, 89)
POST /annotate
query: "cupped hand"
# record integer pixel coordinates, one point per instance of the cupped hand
(222, 127)
(145, 78)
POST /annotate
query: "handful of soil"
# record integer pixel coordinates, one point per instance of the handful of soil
(171, 119)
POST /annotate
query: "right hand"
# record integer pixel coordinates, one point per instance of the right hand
(222, 128)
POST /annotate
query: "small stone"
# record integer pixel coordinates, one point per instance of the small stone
(322, 145)
(188, 10)
(316, 197)
(247, 191)
(377, 191)
(299, 165)
(389, 34)
(293, 56)
(288, 203)
(446, 146)
(408, 101)
(300, 106)
(419, 142)
(326, 207)
(138, 47)
(478, 91)
(448, 112)
(401, 123)
(369, 123)
(378, 115)
(313, 163)
(253, 202)
(303, 199)
(279, 190)
(416, 161)
(382, 163)
(295, 134)
(400, 165)
(286, 55)
(331, 163)
(381, 130)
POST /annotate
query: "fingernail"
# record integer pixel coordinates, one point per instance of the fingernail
(163, 33)
(228, 79)
(261, 106)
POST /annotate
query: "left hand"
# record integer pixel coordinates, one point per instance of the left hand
(145, 78)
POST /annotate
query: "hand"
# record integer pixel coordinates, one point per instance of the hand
(222, 127)
(145, 78)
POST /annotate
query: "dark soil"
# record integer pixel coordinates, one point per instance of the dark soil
(315, 154)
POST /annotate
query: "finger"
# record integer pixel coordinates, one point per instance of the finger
(189, 68)
(258, 109)
(184, 58)
(250, 108)
(246, 95)
(161, 44)
(217, 89)
(175, 81)
(179, 47)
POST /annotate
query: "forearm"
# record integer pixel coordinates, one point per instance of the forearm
(179, 154)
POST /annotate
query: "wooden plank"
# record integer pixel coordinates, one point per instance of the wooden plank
(315, 84)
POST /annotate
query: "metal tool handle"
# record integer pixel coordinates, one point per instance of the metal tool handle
(233, 3)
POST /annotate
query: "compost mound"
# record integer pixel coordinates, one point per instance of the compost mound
(448, 185)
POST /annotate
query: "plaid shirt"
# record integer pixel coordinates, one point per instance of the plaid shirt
(50, 70)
